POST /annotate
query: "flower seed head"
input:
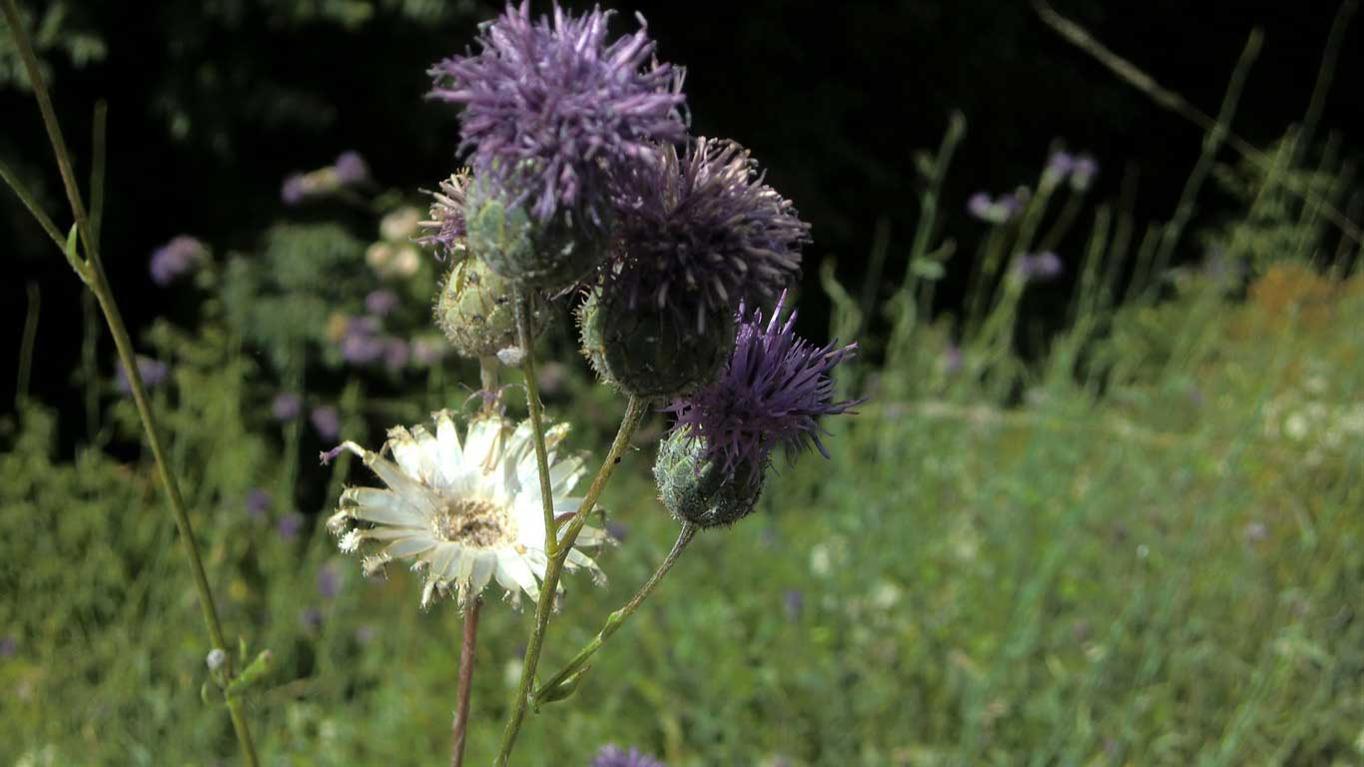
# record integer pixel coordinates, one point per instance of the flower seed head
(651, 353)
(694, 488)
(477, 311)
(700, 231)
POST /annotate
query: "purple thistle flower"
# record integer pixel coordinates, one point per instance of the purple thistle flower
(153, 374)
(326, 421)
(1042, 267)
(286, 406)
(176, 258)
(702, 231)
(258, 503)
(446, 227)
(615, 756)
(772, 391)
(289, 525)
(381, 303)
(350, 168)
(295, 189)
(552, 110)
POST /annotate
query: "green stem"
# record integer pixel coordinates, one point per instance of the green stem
(94, 277)
(634, 413)
(618, 618)
(536, 418)
(26, 345)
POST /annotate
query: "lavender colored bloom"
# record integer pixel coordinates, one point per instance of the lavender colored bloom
(615, 756)
(1083, 172)
(772, 391)
(326, 421)
(328, 581)
(361, 344)
(396, 354)
(350, 168)
(295, 189)
(700, 231)
(153, 373)
(381, 303)
(1039, 268)
(286, 406)
(551, 110)
(1059, 166)
(9, 646)
(289, 525)
(176, 258)
(793, 601)
(980, 205)
(446, 226)
(258, 503)
(993, 210)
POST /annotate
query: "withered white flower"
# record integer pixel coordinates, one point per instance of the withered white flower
(463, 513)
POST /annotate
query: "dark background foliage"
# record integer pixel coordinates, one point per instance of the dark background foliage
(211, 104)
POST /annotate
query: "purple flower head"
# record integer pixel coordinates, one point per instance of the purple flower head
(9, 646)
(1083, 173)
(396, 354)
(1042, 267)
(551, 109)
(153, 374)
(176, 258)
(980, 205)
(772, 391)
(993, 210)
(446, 227)
(615, 756)
(289, 525)
(295, 189)
(350, 168)
(702, 231)
(258, 503)
(328, 581)
(1059, 166)
(381, 303)
(326, 421)
(286, 406)
(793, 601)
(361, 343)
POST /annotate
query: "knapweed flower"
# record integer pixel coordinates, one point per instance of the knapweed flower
(153, 374)
(286, 406)
(1041, 267)
(176, 258)
(772, 393)
(698, 232)
(552, 109)
(463, 512)
(445, 227)
(615, 756)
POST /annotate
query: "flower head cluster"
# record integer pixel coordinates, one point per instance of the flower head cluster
(703, 225)
(772, 391)
(349, 170)
(552, 109)
(995, 210)
(615, 756)
(464, 512)
(152, 372)
(176, 258)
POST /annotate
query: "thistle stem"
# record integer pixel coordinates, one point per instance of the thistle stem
(466, 679)
(618, 618)
(634, 413)
(536, 418)
(91, 271)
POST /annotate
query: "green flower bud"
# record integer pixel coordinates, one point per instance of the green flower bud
(648, 352)
(477, 311)
(550, 255)
(696, 490)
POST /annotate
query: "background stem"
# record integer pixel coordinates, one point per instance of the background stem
(466, 679)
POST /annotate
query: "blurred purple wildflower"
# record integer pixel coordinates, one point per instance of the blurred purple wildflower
(618, 531)
(286, 406)
(9, 646)
(952, 359)
(994, 210)
(328, 581)
(551, 110)
(326, 421)
(361, 343)
(1083, 172)
(289, 525)
(176, 258)
(311, 619)
(350, 168)
(772, 391)
(793, 601)
(396, 354)
(258, 504)
(153, 374)
(1041, 267)
(615, 756)
(381, 303)
(1059, 166)
(295, 189)
(701, 231)
(446, 226)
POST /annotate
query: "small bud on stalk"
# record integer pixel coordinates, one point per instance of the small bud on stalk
(477, 310)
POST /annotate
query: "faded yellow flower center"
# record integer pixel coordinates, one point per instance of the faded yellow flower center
(475, 522)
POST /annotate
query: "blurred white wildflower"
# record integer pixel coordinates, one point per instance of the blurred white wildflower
(463, 513)
(400, 225)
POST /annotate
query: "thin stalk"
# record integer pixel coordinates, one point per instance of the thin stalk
(31, 202)
(91, 271)
(30, 337)
(537, 427)
(618, 618)
(634, 413)
(466, 679)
